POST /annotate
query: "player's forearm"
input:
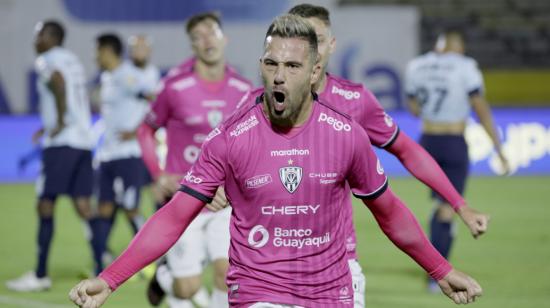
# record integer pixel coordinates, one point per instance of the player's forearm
(146, 138)
(483, 111)
(423, 167)
(402, 228)
(154, 239)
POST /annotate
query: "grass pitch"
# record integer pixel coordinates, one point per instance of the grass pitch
(512, 261)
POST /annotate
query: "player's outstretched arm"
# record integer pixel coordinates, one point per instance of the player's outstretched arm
(402, 228)
(483, 111)
(423, 167)
(57, 86)
(146, 138)
(158, 234)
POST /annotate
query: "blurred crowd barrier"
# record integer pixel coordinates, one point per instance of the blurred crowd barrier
(525, 134)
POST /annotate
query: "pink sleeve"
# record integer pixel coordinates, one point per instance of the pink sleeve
(160, 109)
(366, 176)
(379, 125)
(425, 168)
(208, 172)
(401, 227)
(148, 145)
(154, 239)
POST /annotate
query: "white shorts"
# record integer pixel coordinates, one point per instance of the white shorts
(358, 282)
(205, 240)
(271, 305)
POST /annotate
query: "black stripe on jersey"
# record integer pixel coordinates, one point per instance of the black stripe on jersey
(474, 92)
(194, 193)
(391, 140)
(375, 194)
(345, 115)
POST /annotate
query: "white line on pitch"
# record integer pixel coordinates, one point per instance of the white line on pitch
(23, 302)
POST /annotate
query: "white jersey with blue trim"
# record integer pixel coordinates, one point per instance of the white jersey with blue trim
(122, 110)
(442, 83)
(77, 118)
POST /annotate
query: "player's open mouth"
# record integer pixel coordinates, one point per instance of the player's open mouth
(279, 101)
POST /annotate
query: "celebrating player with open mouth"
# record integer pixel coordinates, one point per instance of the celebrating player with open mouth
(285, 158)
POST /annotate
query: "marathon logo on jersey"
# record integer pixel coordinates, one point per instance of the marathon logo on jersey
(290, 209)
(193, 120)
(349, 95)
(291, 152)
(335, 123)
(189, 177)
(258, 181)
(244, 126)
(213, 103)
(291, 177)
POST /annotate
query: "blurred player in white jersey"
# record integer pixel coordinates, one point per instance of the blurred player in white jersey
(140, 54)
(123, 106)
(67, 144)
(442, 87)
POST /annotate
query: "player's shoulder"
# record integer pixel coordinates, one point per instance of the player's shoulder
(237, 81)
(343, 83)
(246, 109)
(328, 109)
(421, 60)
(179, 82)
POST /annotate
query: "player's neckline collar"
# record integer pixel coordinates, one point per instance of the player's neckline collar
(296, 131)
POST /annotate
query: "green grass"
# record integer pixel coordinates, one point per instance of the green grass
(512, 261)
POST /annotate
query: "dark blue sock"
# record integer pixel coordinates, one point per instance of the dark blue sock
(441, 235)
(45, 233)
(100, 231)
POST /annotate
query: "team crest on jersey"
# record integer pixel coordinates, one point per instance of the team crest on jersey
(214, 118)
(291, 177)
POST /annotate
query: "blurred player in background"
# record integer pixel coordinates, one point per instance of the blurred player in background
(442, 87)
(287, 242)
(190, 104)
(360, 103)
(67, 144)
(140, 55)
(123, 90)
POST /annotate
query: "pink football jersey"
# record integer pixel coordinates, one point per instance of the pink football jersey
(288, 194)
(359, 103)
(189, 108)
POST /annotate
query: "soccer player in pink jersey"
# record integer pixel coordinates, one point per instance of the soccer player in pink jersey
(358, 102)
(191, 103)
(285, 158)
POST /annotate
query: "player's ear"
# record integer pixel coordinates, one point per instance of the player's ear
(332, 44)
(316, 71)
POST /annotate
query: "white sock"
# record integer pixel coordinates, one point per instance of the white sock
(219, 299)
(201, 298)
(174, 302)
(165, 279)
